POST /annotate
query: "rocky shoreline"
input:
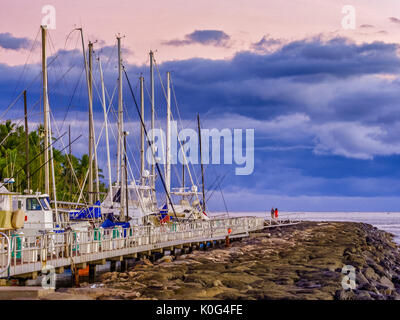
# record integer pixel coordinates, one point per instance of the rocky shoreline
(304, 261)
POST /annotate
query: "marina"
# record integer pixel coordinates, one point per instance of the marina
(175, 155)
(41, 232)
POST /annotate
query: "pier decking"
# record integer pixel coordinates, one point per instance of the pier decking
(29, 255)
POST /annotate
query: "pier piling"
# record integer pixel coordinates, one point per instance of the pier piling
(227, 243)
(75, 277)
(92, 273)
(113, 265)
(124, 265)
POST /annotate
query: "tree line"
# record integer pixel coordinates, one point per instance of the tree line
(13, 164)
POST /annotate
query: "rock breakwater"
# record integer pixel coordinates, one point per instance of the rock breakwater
(304, 261)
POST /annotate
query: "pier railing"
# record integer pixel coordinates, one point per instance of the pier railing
(284, 220)
(32, 253)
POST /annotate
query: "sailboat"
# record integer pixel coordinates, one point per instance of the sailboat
(189, 205)
(132, 201)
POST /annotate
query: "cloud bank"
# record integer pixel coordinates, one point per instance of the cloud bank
(325, 114)
(216, 38)
(9, 42)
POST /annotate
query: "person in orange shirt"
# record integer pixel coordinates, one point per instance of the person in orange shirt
(276, 213)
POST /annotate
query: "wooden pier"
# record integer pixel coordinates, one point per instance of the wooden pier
(29, 256)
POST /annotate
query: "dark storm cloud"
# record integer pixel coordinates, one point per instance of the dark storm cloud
(329, 79)
(333, 79)
(326, 83)
(325, 113)
(266, 43)
(216, 38)
(8, 41)
(334, 58)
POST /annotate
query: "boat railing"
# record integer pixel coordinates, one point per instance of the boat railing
(83, 246)
(6, 254)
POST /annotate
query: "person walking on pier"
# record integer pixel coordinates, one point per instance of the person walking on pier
(276, 213)
(272, 213)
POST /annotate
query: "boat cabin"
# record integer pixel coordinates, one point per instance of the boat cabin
(38, 211)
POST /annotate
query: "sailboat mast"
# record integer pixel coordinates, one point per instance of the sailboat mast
(92, 132)
(70, 156)
(93, 135)
(91, 140)
(183, 175)
(53, 177)
(121, 166)
(45, 113)
(47, 128)
(142, 129)
(28, 185)
(120, 114)
(201, 163)
(168, 148)
(126, 179)
(153, 171)
(103, 96)
(90, 100)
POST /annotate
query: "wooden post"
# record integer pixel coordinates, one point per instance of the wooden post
(75, 277)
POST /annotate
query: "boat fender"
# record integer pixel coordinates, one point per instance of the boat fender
(18, 218)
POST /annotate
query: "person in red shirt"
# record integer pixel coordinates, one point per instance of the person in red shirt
(276, 213)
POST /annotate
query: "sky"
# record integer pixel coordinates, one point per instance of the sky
(322, 98)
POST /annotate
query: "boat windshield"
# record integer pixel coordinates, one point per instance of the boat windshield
(44, 204)
(33, 204)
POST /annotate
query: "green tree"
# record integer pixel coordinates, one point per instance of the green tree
(13, 164)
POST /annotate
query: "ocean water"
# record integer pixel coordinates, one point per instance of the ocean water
(387, 221)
